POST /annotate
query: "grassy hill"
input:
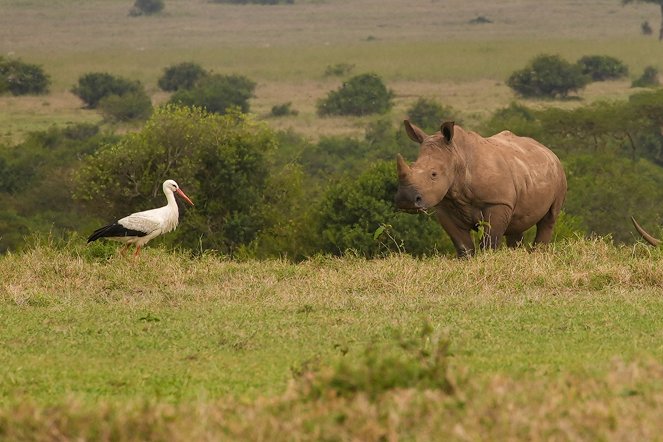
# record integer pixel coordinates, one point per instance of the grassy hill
(561, 343)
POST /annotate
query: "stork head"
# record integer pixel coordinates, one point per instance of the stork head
(172, 187)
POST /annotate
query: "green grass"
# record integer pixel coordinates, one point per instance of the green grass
(168, 330)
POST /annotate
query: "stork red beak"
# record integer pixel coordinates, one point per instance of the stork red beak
(183, 195)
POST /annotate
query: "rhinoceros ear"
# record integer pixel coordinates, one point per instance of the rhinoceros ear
(414, 132)
(447, 130)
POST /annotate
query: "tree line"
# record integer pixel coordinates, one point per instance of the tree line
(265, 193)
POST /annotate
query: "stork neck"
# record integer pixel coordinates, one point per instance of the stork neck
(172, 204)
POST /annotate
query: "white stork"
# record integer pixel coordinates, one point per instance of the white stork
(140, 227)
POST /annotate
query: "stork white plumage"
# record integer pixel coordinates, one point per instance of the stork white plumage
(140, 227)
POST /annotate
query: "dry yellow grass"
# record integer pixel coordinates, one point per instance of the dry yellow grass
(559, 344)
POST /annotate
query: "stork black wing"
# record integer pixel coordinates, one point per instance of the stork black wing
(114, 230)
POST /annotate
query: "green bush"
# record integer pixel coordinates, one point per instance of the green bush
(128, 107)
(221, 161)
(360, 95)
(649, 78)
(94, 86)
(338, 69)
(36, 184)
(428, 114)
(21, 78)
(602, 67)
(217, 93)
(357, 213)
(181, 76)
(333, 156)
(283, 110)
(604, 189)
(547, 76)
(146, 7)
(517, 118)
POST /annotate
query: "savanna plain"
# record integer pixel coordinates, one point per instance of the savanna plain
(559, 343)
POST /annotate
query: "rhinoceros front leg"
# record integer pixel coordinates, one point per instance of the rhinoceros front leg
(495, 221)
(460, 237)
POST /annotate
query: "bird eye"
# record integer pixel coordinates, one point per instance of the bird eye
(433, 174)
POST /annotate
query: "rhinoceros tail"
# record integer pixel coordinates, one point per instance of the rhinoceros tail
(650, 239)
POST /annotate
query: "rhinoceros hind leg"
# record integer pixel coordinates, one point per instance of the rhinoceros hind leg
(544, 228)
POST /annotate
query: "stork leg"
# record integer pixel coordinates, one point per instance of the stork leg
(123, 249)
(137, 251)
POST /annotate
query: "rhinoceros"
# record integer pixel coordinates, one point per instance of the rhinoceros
(503, 184)
(646, 236)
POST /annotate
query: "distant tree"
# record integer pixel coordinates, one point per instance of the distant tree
(216, 93)
(654, 2)
(146, 7)
(283, 110)
(361, 95)
(128, 107)
(547, 76)
(94, 86)
(428, 114)
(602, 67)
(181, 76)
(21, 78)
(338, 69)
(649, 78)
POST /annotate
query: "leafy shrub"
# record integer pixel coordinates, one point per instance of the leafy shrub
(220, 160)
(217, 93)
(36, 184)
(602, 185)
(645, 28)
(146, 7)
(181, 76)
(428, 114)
(283, 110)
(94, 86)
(602, 67)
(517, 118)
(334, 156)
(649, 78)
(128, 107)
(338, 69)
(352, 210)
(21, 78)
(360, 95)
(547, 76)
(480, 20)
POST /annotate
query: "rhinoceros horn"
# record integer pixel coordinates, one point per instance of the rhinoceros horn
(650, 239)
(403, 169)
